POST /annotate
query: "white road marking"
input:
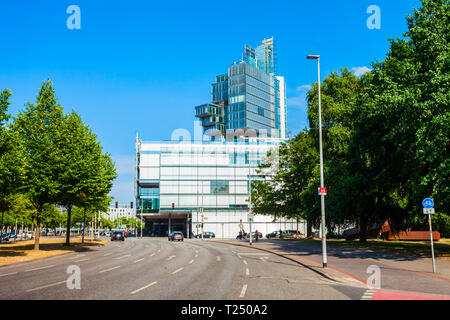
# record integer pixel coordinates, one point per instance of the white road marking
(152, 254)
(196, 256)
(82, 260)
(46, 267)
(149, 285)
(178, 270)
(7, 274)
(247, 272)
(77, 256)
(110, 269)
(218, 258)
(170, 258)
(46, 286)
(138, 260)
(127, 255)
(190, 262)
(107, 254)
(245, 262)
(244, 289)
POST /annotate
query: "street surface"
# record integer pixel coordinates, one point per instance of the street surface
(154, 268)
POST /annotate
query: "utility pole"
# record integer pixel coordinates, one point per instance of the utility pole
(322, 184)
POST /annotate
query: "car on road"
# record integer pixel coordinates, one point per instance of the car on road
(118, 235)
(4, 236)
(208, 235)
(176, 235)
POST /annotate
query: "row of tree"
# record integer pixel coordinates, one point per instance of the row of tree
(51, 157)
(386, 139)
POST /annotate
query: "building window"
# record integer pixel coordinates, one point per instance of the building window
(220, 187)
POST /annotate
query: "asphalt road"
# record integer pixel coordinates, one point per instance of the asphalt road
(154, 268)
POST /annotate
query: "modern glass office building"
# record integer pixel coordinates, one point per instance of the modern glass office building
(249, 97)
(180, 185)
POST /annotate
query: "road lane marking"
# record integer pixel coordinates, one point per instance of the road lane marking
(110, 269)
(127, 255)
(247, 272)
(138, 260)
(46, 267)
(244, 289)
(7, 274)
(218, 258)
(107, 254)
(196, 256)
(152, 254)
(143, 288)
(81, 260)
(170, 258)
(245, 262)
(46, 286)
(77, 256)
(178, 270)
(190, 262)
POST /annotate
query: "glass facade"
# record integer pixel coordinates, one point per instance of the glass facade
(250, 95)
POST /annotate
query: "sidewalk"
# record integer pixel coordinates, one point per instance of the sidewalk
(398, 272)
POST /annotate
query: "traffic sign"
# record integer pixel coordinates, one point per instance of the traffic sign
(323, 191)
(428, 210)
(428, 203)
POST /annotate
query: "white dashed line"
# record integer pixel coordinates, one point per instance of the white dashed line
(7, 274)
(46, 286)
(170, 258)
(190, 262)
(127, 255)
(247, 272)
(110, 269)
(178, 270)
(244, 289)
(46, 267)
(81, 260)
(218, 258)
(143, 288)
(138, 260)
(107, 254)
(245, 262)
(152, 254)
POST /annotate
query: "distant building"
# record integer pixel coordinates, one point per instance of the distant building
(114, 213)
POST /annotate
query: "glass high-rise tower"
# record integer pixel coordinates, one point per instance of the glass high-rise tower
(250, 97)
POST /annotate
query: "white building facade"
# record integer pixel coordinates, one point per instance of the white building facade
(120, 212)
(180, 185)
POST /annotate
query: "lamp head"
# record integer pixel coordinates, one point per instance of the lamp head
(313, 57)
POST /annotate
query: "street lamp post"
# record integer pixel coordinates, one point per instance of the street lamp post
(322, 184)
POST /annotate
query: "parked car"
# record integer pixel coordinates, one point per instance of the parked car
(209, 235)
(275, 234)
(176, 235)
(118, 235)
(4, 236)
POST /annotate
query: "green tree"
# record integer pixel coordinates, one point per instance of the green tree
(11, 159)
(87, 174)
(39, 129)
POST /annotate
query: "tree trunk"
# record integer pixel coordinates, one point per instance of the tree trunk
(363, 228)
(38, 227)
(309, 228)
(69, 214)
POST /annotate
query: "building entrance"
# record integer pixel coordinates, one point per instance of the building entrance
(159, 226)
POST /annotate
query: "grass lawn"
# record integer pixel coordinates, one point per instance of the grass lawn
(413, 248)
(21, 251)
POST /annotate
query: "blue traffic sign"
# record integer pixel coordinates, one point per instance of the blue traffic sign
(428, 203)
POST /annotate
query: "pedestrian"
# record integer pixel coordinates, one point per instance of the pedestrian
(256, 235)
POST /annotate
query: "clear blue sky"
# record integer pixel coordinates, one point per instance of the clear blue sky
(142, 66)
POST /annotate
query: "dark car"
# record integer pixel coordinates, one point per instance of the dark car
(209, 235)
(118, 235)
(176, 235)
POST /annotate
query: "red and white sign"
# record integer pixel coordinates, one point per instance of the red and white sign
(322, 191)
(250, 210)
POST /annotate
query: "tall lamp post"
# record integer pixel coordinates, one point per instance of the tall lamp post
(322, 184)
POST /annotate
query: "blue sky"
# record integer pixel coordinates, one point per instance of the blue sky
(142, 66)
